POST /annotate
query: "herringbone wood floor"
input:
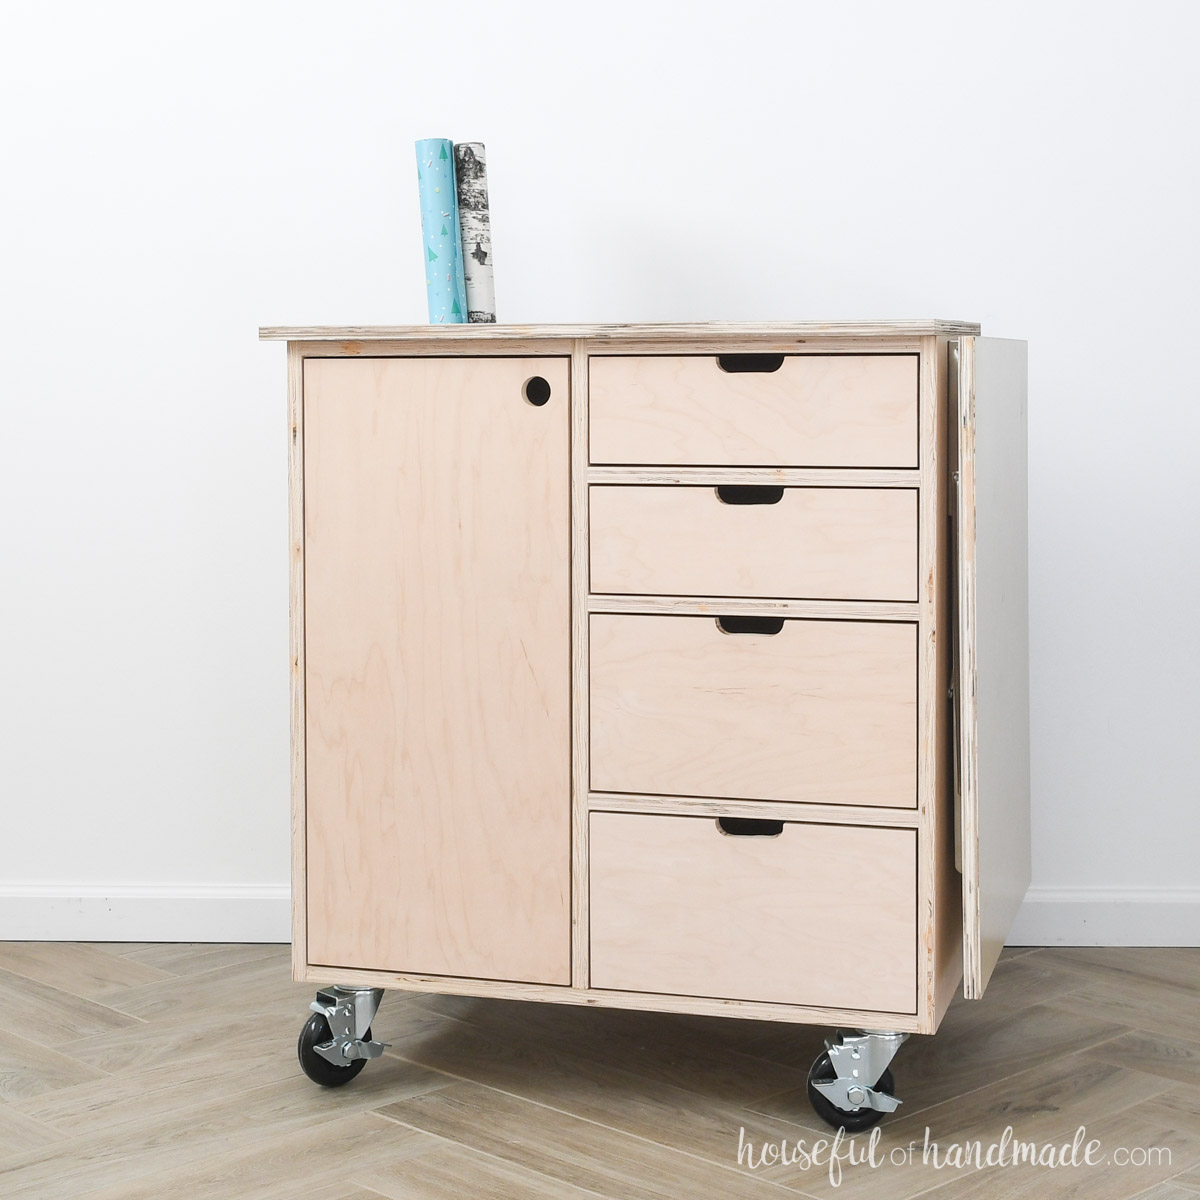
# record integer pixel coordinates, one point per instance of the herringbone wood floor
(150, 1071)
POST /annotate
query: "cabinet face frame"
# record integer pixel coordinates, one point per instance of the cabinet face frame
(939, 897)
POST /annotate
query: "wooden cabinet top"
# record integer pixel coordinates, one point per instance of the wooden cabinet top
(702, 330)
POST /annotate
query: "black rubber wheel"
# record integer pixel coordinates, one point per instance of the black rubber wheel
(320, 1070)
(854, 1121)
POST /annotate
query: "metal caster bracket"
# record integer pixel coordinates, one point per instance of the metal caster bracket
(349, 1011)
(860, 1058)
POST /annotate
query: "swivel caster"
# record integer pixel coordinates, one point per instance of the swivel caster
(849, 1085)
(336, 1041)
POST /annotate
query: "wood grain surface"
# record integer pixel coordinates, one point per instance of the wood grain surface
(437, 682)
(663, 331)
(812, 410)
(821, 711)
(811, 543)
(679, 905)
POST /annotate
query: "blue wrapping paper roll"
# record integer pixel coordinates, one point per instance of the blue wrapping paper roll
(442, 241)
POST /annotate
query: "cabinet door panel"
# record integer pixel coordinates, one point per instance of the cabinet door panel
(992, 690)
(437, 682)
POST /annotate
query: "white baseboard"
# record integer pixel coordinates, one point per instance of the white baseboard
(145, 913)
(1050, 916)
(1136, 916)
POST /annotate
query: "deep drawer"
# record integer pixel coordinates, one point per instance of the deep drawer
(780, 542)
(822, 915)
(852, 410)
(819, 712)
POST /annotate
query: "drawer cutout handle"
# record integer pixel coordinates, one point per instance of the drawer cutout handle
(737, 364)
(748, 493)
(749, 827)
(536, 391)
(769, 626)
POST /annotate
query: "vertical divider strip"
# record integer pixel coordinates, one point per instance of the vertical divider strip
(930, 544)
(295, 386)
(579, 664)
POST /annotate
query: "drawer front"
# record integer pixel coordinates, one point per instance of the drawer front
(821, 915)
(808, 543)
(853, 410)
(820, 712)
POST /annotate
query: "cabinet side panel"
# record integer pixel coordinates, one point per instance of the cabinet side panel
(994, 647)
(437, 589)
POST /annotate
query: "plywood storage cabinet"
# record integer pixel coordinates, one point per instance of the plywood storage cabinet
(675, 667)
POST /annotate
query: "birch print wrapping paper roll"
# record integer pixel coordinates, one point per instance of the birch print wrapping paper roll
(470, 162)
(442, 245)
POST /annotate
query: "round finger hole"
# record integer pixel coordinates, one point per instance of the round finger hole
(537, 390)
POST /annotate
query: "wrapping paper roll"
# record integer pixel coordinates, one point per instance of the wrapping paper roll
(440, 235)
(470, 160)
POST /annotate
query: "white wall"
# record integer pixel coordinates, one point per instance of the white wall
(174, 177)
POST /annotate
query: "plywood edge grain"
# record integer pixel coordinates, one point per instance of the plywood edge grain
(296, 656)
(579, 668)
(968, 733)
(800, 812)
(602, 998)
(946, 947)
(652, 332)
(434, 348)
(928, 541)
(938, 883)
(714, 606)
(717, 342)
(829, 477)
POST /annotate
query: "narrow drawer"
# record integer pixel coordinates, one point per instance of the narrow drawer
(818, 712)
(811, 410)
(779, 542)
(792, 913)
